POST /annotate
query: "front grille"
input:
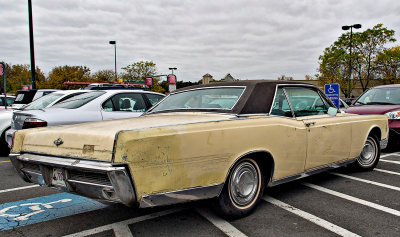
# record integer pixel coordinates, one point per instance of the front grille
(30, 167)
(89, 177)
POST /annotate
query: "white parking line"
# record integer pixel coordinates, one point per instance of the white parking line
(314, 219)
(221, 224)
(390, 154)
(20, 188)
(354, 199)
(121, 228)
(390, 161)
(367, 181)
(387, 171)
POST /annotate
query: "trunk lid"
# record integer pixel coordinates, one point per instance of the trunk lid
(95, 140)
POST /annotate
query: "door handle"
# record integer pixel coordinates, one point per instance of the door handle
(309, 124)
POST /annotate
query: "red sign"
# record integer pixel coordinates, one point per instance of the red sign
(172, 79)
(1, 69)
(149, 81)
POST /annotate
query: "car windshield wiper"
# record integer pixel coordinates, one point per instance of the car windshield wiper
(379, 103)
(361, 103)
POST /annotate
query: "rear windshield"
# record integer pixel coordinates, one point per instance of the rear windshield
(79, 100)
(43, 101)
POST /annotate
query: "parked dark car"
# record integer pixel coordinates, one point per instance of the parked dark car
(381, 100)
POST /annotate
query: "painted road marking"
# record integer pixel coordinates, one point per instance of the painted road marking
(117, 225)
(221, 224)
(309, 217)
(35, 210)
(20, 188)
(390, 154)
(5, 161)
(387, 171)
(390, 161)
(354, 199)
(367, 181)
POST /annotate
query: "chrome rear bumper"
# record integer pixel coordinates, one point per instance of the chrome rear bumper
(94, 179)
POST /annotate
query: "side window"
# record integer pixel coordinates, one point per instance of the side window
(281, 106)
(153, 98)
(306, 101)
(10, 101)
(1, 102)
(129, 102)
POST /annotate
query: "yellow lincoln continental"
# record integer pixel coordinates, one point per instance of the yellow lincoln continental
(225, 141)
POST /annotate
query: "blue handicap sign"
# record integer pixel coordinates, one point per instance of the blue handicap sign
(332, 91)
(40, 209)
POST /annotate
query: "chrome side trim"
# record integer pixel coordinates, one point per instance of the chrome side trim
(180, 196)
(311, 172)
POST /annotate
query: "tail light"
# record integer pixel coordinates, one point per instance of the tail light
(34, 123)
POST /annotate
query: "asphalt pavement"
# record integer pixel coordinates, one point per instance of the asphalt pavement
(336, 203)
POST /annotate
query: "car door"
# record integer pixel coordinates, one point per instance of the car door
(292, 139)
(123, 105)
(328, 136)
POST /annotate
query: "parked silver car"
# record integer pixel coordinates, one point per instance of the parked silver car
(91, 106)
(40, 103)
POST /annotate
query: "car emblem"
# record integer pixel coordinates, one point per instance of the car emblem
(58, 142)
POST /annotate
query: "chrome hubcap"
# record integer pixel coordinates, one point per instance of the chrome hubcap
(368, 153)
(244, 183)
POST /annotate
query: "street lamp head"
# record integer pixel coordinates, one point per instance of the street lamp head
(357, 26)
(345, 27)
(172, 68)
(113, 42)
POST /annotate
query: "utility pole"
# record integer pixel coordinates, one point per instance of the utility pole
(33, 73)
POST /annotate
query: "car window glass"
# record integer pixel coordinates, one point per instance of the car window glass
(281, 106)
(153, 98)
(10, 101)
(204, 98)
(79, 100)
(130, 102)
(69, 96)
(306, 102)
(380, 96)
(43, 101)
(1, 102)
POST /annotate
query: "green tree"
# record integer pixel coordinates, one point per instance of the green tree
(285, 78)
(388, 65)
(138, 71)
(19, 75)
(61, 74)
(104, 76)
(366, 45)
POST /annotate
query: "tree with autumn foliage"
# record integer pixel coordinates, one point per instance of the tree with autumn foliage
(61, 74)
(366, 46)
(19, 75)
(388, 65)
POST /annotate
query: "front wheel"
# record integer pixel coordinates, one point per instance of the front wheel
(243, 189)
(370, 154)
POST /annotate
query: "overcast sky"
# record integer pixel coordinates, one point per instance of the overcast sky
(249, 39)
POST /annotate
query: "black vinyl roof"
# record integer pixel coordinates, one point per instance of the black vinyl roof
(256, 99)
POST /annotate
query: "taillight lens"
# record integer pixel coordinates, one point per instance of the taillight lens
(34, 123)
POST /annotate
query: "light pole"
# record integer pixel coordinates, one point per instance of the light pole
(172, 69)
(115, 57)
(356, 26)
(32, 49)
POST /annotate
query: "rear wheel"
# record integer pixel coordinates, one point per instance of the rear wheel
(243, 189)
(370, 154)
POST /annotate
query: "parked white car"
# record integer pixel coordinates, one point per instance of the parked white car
(25, 97)
(6, 100)
(91, 106)
(40, 103)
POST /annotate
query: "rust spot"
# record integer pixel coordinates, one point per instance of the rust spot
(88, 149)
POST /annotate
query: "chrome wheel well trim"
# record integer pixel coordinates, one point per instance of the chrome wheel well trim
(262, 167)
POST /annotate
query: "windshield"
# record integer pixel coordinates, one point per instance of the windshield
(385, 96)
(79, 100)
(222, 98)
(43, 101)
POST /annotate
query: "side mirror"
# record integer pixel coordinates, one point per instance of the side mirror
(332, 111)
